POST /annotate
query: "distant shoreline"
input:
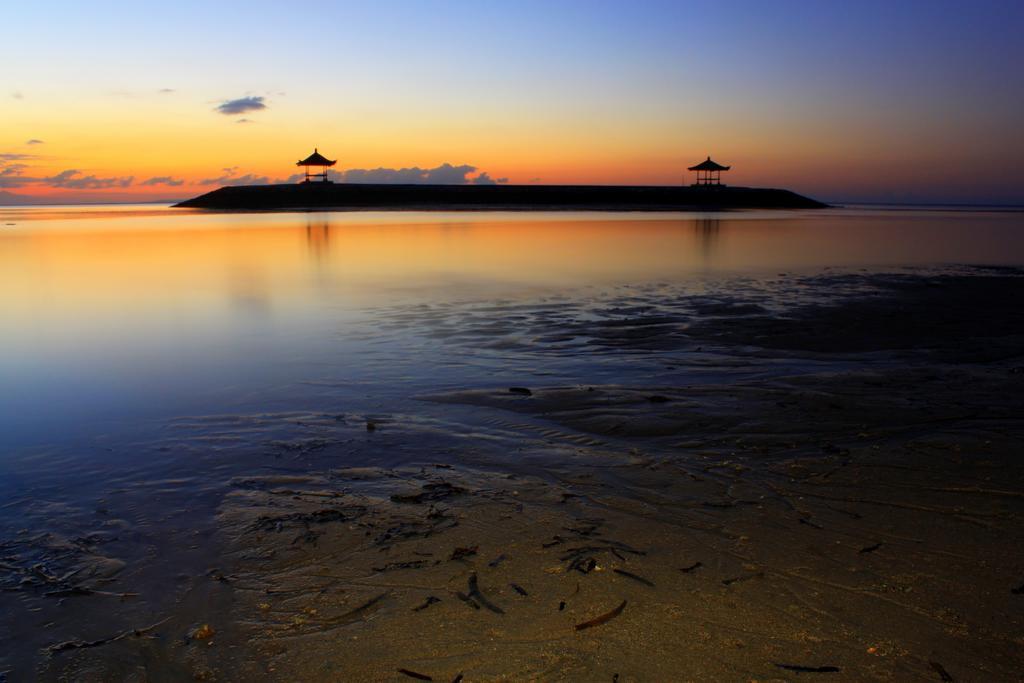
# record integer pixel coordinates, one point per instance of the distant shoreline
(832, 204)
(351, 196)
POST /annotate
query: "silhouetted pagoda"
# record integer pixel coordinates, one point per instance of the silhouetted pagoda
(316, 160)
(708, 173)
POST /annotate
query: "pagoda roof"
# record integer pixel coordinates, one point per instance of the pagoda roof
(316, 159)
(708, 165)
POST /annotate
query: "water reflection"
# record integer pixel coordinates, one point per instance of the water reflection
(249, 290)
(318, 234)
(706, 233)
(62, 279)
(132, 306)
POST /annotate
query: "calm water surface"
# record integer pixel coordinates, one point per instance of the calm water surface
(116, 318)
(156, 365)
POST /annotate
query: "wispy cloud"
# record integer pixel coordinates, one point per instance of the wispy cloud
(166, 91)
(34, 141)
(15, 181)
(445, 174)
(12, 171)
(229, 178)
(485, 179)
(14, 175)
(74, 180)
(162, 180)
(241, 105)
(12, 199)
(17, 94)
(244, 121)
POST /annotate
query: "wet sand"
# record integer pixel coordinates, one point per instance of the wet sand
(835, 490)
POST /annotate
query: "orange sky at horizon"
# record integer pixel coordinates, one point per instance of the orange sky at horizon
(831, 102)
(174, 135)
(188, 146)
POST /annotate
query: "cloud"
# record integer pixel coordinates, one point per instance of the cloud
(17, 95)
(485, 179)
(12, 175)
(241, 105)
(229, 178)
(445, 174)
(34, 141)
(162, 180)
(12, 199)
(249, 179)
(70, 180)
(244, 121)
(165, 91)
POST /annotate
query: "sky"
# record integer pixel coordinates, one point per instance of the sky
(896, 101)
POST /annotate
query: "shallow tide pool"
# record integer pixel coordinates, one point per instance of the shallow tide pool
(796, 428)
(112, 314)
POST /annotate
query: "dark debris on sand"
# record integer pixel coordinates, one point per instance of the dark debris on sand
(839, 511)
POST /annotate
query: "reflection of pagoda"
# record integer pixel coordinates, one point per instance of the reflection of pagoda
(316, 160)
(318, 239)
(708, 173)
(706, 231)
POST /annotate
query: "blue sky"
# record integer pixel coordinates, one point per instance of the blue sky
(791, 92)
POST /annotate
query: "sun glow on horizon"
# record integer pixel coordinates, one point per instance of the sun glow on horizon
(582, 93)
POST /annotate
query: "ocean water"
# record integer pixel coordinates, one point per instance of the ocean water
(258, 397)
(113, 316)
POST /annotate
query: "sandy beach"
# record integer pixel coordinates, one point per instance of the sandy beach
(840, 493)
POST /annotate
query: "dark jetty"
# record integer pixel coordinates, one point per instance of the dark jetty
(475, 197)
